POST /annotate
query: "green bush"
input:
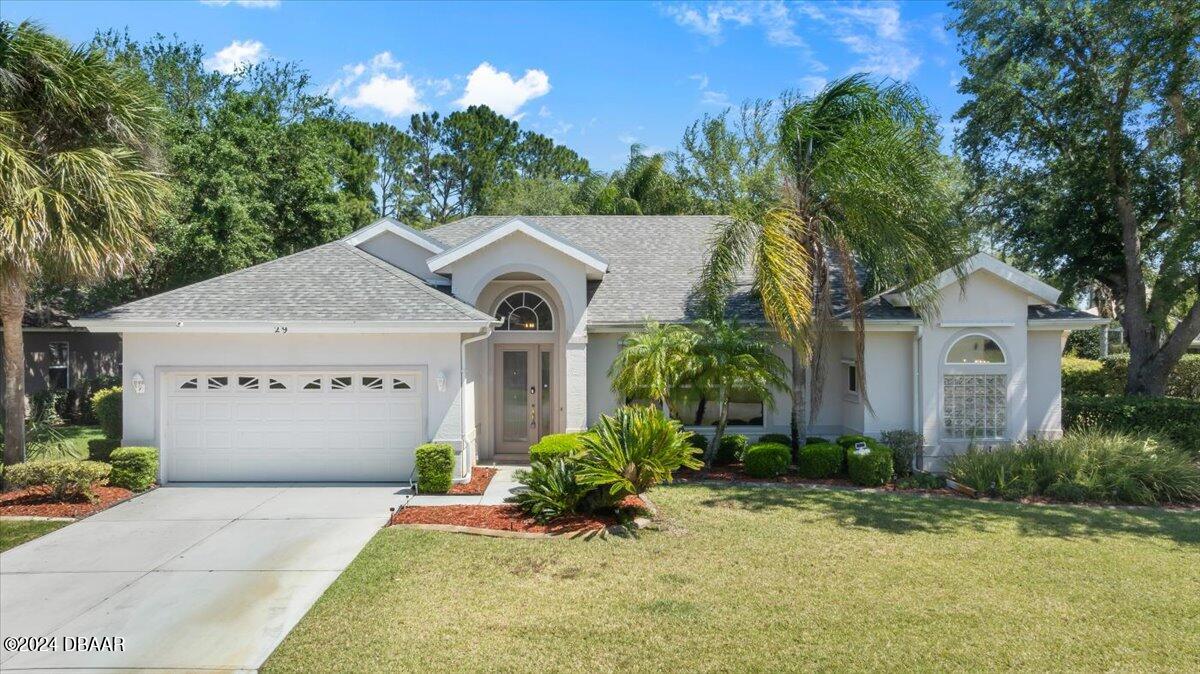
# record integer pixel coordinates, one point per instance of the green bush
(1090, 465)
(731, 450)
(435, 468)
(699, 442)
(66, 478)
(632, 450)
(814, 440)
(551, 489)
(821, 460)
(1085, 377)
(106, 405)
(1085, 343)
(1173, 419)
(1183, 382)
(906, 446)
(920, 480)
(848, 441)
(872, 467)
(777, 438)
(134, 468)
(767, 459)
(558, 445)
(99, 449)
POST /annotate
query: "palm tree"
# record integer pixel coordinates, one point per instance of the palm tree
(732, 358)
(653, 364)
(643, 187)
(78, 194)
(865, 188)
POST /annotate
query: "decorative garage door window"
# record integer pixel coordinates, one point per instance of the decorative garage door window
(253, 382)
(525, 311)
(975, 390)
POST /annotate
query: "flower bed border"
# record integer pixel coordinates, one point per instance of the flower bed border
(586, 533)
(471, 487)
(76, 518)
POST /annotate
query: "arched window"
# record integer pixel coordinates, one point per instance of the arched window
(975, 390)
(525, 311)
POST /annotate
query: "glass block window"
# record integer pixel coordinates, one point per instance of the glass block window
(975, 406)
(524, 311)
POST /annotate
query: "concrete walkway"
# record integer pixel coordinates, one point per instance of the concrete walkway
(503, 485)
(188, 578)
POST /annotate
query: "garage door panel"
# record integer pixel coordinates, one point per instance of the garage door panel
(264, 426)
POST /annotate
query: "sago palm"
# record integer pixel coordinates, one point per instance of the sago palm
(865, 187)
(78, 191)
(653, 363)
(733, 358)
(631, 450)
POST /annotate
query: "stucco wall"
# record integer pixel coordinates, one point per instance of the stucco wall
(889, 374)
(148, 353)
(1045, 382)
(402, 253)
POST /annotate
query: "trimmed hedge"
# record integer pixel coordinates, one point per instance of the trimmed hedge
(1175, 419)
(66, 478)
(134, 468)
(435, 468)
(767, 459)
(848, 441)
(820, 460)
(106, 405)
(99, 449)
(872, 468)
(731, 450)
(1183, 382)
(815, 440)
(1081, 376)
(777, 438)
(556, 446)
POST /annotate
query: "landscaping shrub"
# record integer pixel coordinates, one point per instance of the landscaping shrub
(1085, 343)
(820, 460)
(1087, 465)
(777, 438)
(1183, 382)
(814, 440)
(1173, 419)
(106, 405)
(134, 468)
(99, 449)
(767, 459)
(551, 489)
(700, 442)
(870, 468)
(906, 447)
(435, 468)
(1085, 377)
(558, 445)
(919, 480)
(848, 441)
(66, 478)
(731, 450)
(632, 450)
(47, 406)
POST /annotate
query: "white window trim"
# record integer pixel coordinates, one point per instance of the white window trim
(540, 296)
(947, 368)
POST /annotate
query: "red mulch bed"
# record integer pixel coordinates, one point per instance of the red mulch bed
(480, 479)
(506, 518)
(734, 473)
(37, 501)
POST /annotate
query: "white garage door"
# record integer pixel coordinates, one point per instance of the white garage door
(258, 425)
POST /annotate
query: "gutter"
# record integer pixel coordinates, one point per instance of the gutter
(462, 385)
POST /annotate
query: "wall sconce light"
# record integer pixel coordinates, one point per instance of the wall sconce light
(139, 383)
(441, 381)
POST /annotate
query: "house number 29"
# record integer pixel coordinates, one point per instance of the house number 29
(281, 329)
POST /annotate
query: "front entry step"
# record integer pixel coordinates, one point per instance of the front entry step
(521, 458)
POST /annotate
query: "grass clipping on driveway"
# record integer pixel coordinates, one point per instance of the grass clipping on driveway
(749, 578)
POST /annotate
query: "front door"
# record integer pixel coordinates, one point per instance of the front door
(524, 396)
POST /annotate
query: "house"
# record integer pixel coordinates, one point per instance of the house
(332, 364)
(64, 358)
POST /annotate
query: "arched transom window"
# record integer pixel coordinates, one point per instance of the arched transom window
(525, 311)
(975, 390)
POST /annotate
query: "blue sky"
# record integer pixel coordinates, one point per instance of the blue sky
(595, 76)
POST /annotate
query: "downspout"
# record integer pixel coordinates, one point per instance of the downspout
(462, 387)
(918, 423)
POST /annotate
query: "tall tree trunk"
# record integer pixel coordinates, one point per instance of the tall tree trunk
(799, 413)
(12, 310)
(722, 420)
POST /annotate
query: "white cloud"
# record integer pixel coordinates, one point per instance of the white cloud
(543, 111)
(875, 32)
(561, 128)
(500, 92)
(441, 86)
(385, 89)
(811, 84)
(251, 4)
(710, 19)
(627, 138)
(717, 98)
(701, 80)
(236, 56)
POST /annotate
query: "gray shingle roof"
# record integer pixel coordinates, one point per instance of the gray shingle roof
(653, 261)
(1051, 312)
(332, 282)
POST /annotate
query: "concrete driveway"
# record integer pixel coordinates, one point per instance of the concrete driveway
(197, 577)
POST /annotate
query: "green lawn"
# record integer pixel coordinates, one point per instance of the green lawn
(16, 532)
(770, 579)
(75, 443)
